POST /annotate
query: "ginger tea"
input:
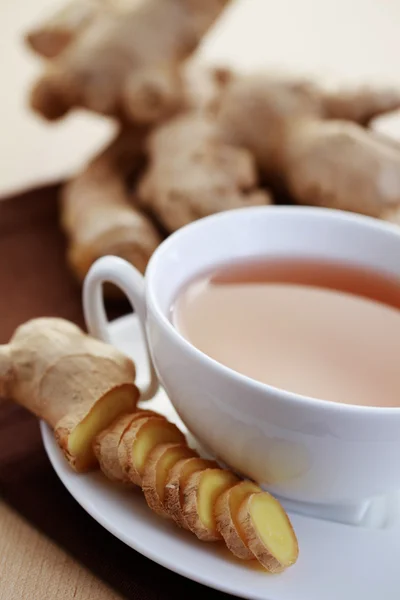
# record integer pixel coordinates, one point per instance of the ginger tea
(321, 329)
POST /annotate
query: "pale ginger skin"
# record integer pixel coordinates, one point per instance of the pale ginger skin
(97, 214)
(360, 104)
(347, 168)
(193, 174)
(127, 63)
(66, 378)
(299, 138)
(101, 216)
(54, 34)
(392, 215)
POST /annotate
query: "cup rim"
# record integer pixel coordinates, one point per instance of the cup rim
(291, 398)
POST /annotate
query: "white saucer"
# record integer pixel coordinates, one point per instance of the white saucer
(337, 561)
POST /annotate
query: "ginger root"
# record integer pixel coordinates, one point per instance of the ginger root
(54, 34)
(97, 215)
(126, 63)
(227, 513)
(77, 384)
(312, 142)
(360, 105)
(192, 173)
(268, 532)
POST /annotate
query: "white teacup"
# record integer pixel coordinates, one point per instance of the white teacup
(331, 456)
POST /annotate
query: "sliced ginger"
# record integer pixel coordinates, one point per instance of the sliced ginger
(76, 383)
(176, 480)
(200, 494)
(157, 467)
(268, 532)
(105, 445)
(140, 439)
(85, 390)
(209, 501)
(226, 512)
(79, 444)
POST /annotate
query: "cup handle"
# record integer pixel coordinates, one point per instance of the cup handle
(122, 274)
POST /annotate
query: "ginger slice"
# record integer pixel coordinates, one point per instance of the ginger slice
(268, 532)
(105, 445)
(200, 494)
(176, 480)
(156, 471)
(226, 511)
(78, 444)
(139, 440)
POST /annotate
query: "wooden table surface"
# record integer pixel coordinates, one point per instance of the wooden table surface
(26, 559)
